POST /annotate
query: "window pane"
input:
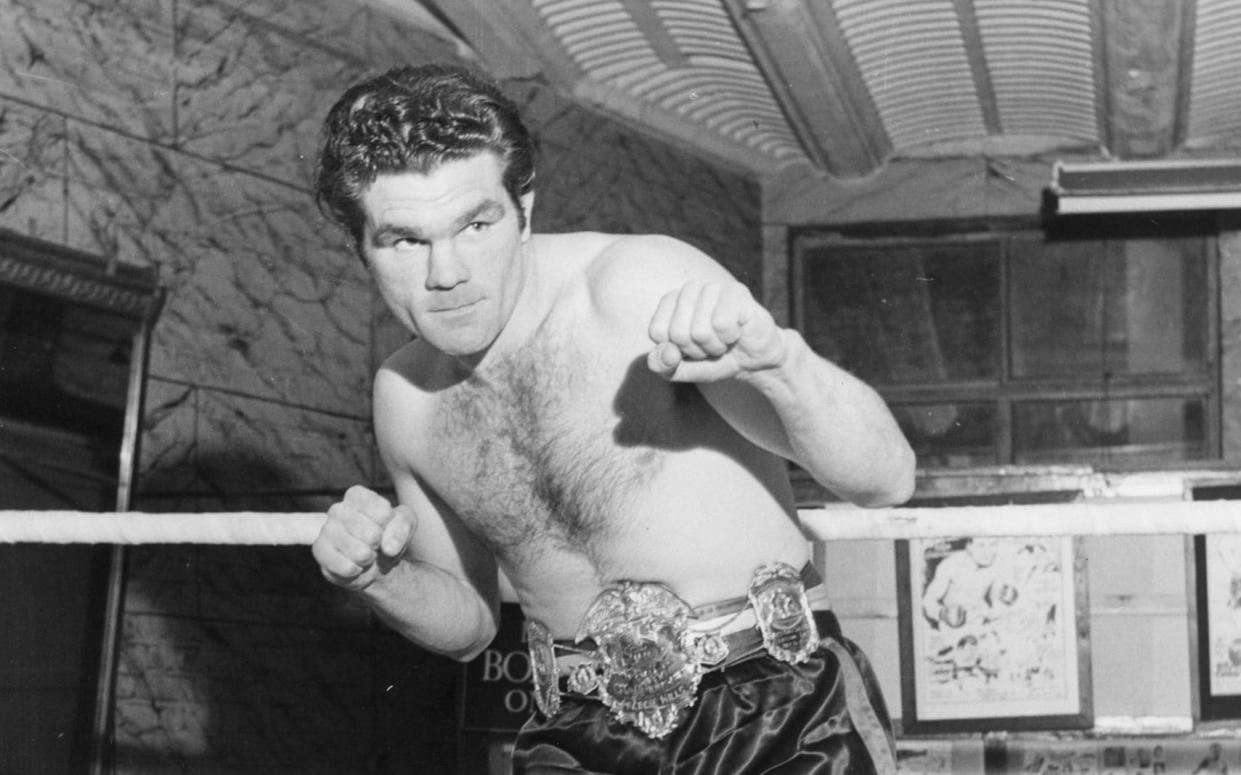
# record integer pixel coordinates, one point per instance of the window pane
(63, 365)
(1144, 430)
(905, 314)
(950, 435)
(64, 371)
(1093, 310)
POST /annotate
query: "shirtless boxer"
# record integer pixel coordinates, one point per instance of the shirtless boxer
(606, 419)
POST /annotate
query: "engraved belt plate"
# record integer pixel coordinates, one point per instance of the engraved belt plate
(543, 667)
(783, 613)
(648, 663)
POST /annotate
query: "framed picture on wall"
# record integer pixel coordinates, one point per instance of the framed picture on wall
(1217, 583)
(994, 634)
(1216, 632)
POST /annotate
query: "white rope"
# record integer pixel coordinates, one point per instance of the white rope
(835, 523)
(1088, 518)
(134, 527)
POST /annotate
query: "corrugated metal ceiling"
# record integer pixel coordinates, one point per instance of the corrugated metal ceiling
(847, 85)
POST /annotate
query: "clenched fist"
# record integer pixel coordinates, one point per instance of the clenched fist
(363, 537)
(705, 332)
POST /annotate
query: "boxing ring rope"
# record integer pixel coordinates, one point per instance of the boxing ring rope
(832, 523)
(239, 528)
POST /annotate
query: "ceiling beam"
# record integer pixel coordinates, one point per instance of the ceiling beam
(1185, 79)
(805, 59)
(661, 41)
(1146, 54)
(971, 36)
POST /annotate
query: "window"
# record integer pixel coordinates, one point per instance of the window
(72, 347)
(1026, 347)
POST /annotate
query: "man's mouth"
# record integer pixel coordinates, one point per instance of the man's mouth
(451, 307)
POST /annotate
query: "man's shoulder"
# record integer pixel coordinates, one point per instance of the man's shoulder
(654, 257)
(404, 396)
(598, 254)
(411, 370)
(624, 272)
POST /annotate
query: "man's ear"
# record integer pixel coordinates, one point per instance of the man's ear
(527, 209)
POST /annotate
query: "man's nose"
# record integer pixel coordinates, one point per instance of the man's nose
(444, 267)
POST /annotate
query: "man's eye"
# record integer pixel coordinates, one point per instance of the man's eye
(406, 243)
(478, 226)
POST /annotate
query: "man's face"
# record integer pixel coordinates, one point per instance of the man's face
(983, 550)
(446, 251)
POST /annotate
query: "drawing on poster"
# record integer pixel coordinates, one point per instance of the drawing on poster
(1223, 588)
(994, 628)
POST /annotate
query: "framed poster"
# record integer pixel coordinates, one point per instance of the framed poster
(994, 634)
(1217, 583)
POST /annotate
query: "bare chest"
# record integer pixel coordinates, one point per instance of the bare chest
(550, 449)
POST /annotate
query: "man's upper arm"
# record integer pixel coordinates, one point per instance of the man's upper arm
(440, 538)
(635, 274)
(811, 412)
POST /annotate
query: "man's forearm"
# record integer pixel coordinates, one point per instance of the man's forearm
(434, 609)
(837, 427)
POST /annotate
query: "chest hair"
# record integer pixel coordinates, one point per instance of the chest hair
(548, 450)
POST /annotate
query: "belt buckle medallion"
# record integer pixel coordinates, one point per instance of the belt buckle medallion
(783, 612)
(543, 667)
(648, 663)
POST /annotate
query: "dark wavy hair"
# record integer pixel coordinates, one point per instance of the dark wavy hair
(412, 119)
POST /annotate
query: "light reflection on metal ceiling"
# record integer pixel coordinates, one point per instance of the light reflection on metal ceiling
(916, 77)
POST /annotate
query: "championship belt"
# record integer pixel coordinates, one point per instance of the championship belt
(543, 667)
(783, 612)
(648, 662)
(642, 658)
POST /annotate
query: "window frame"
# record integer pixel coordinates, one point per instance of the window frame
(1005, 391)
(42, 269)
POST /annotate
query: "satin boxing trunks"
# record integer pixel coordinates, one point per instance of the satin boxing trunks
(758, 684)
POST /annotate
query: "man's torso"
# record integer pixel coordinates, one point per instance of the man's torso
(578, 467)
